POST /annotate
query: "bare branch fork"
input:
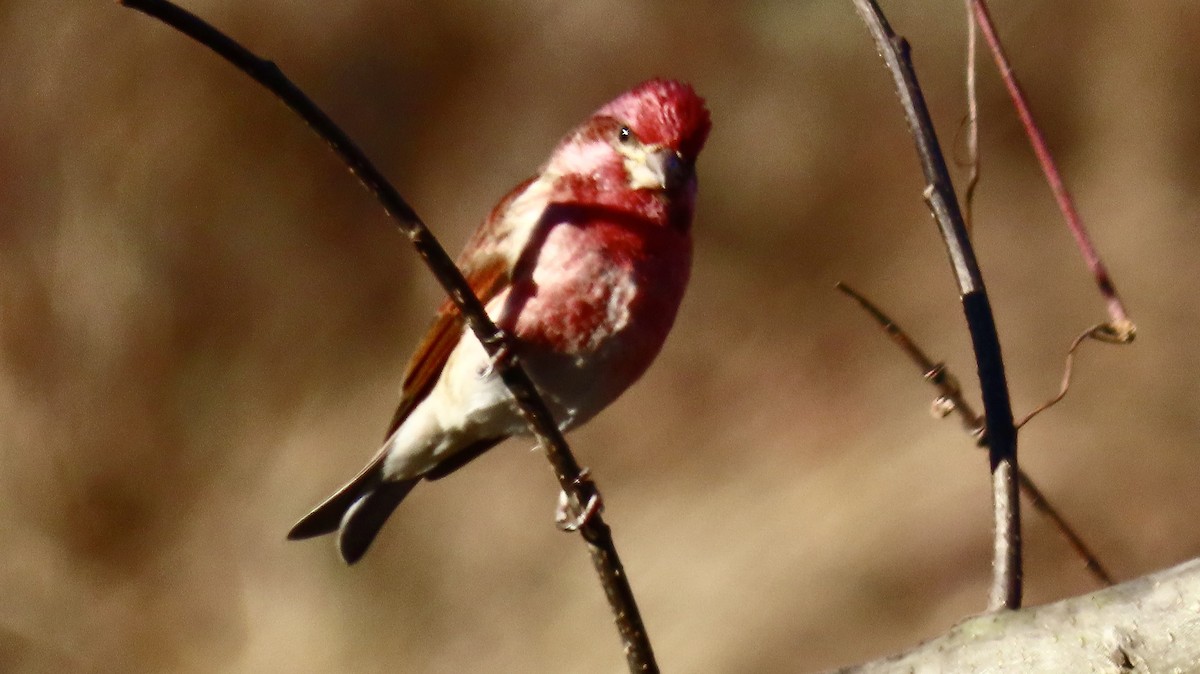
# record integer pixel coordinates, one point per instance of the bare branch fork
(571, 478)
(951, 400)
(1119, 329)
(939, 194)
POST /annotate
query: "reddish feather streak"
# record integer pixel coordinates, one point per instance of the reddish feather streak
(565, 316)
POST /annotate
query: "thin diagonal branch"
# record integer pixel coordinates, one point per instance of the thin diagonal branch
(951, 400)
(1090, 561)
(939, 194)
(1120, 328)
(950, 394)
(580, 490)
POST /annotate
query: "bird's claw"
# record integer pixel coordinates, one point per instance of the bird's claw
(568, 521)
(502, 359)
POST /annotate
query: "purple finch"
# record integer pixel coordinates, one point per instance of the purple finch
(583, 266)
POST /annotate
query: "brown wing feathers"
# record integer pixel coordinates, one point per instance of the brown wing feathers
(360, 508)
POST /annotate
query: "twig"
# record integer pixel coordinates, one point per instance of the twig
(1120, 328)
(972, 124)
(950, 399)
(950, 395)
(939, 194)
(1039, 502)
(571, 479)
(1097, 332)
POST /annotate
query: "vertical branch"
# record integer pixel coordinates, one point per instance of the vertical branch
(939, 194)
(1121, 328)
(972, 123)
(951, 400)
(571, 478)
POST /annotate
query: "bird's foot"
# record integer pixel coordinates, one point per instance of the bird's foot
(569, 521)
(500, 359)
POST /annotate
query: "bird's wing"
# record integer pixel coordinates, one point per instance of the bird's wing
(487, 263)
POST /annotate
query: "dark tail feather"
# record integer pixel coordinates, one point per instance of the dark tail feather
(366, 516)
(327, 517)
(360, 508)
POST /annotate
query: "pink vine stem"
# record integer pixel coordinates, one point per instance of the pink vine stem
(1120, 327)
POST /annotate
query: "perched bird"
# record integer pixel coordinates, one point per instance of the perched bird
(583, 265)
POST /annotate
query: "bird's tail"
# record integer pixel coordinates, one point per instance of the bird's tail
(357, 512)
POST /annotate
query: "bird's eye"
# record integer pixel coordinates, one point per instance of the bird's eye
(625, 136)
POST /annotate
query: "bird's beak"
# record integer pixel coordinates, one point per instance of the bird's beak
(656, 168)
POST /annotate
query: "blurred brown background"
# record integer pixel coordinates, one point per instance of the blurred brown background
(204, 321)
